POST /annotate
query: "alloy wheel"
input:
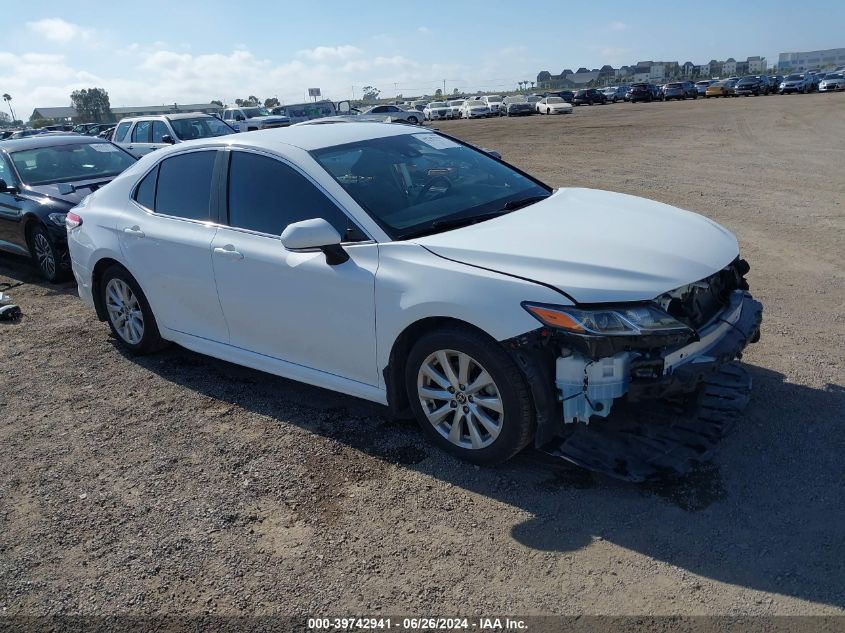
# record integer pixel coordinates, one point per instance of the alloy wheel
(460, 399)
(124, 311)
(44, 254)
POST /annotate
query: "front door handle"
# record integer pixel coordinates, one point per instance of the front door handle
(135, 231)
(228, 252)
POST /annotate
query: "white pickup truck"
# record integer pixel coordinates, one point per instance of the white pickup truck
(249, 118)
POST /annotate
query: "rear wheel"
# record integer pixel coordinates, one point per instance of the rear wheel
(51, 259)
(469, 395)
(413, 120)
(129, 314)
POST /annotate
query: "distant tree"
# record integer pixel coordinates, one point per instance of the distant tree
(8, 99)
(454, 92)
(438, 93)
(245, 103)
(92, 104)
(218, 102)
(271, 102)
(370, 93)
(39, 123)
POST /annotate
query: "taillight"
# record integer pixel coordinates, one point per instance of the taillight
(72, 221)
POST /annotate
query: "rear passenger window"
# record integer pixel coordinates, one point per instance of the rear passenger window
(141, 133)
(145, 194)
(184, 185)
(266, 195)
(121, 131)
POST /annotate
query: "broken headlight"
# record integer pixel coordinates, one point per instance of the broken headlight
(624, 320)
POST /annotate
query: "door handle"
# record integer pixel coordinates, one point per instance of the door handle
(134, 231)
(228, 252)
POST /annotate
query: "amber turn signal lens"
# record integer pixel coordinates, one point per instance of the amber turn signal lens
(553, 318)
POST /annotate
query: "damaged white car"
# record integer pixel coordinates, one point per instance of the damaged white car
(414, 270)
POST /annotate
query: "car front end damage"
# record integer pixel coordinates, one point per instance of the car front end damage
(678, 349)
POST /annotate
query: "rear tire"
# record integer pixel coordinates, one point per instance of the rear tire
(53, 262)
(486, 419)
(413, 120)
(128, 313)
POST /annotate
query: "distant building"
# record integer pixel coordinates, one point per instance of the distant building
(547, 81)
(729, 66)
(68, 113)
(799, 62)
(756, 65)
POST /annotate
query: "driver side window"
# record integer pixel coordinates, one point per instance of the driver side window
(266, 195)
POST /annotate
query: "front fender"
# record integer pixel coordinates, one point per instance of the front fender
(413, 284)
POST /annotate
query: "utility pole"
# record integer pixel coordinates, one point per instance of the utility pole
(444, 87)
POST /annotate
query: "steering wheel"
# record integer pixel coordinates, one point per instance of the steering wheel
(427, 187)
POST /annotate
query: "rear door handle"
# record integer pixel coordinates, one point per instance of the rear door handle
(228, 252)
(134, 231)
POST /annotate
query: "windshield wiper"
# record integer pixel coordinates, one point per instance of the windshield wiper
(452, 223)
(513, 205)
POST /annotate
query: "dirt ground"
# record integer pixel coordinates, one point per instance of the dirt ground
(179, 484)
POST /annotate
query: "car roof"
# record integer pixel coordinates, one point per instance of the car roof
(312, 137)
(171, 117)
(47, 140)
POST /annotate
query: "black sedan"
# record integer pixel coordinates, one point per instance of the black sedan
(750, 85)
(41, 179)
(589, 96)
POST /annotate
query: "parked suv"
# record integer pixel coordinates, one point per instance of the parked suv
(794, 83)
(750, 85)
(247, 119)
(142, 135)
(589, 96)
(641, 92)
(516, 106)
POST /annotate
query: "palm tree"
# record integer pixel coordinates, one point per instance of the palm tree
(8, 99)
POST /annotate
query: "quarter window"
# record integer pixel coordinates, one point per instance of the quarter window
(266, 195)
(145, 194)
(141, 133)
(184, 185)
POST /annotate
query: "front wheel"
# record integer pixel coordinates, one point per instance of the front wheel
(469, 396)
(129, 314)
(413, 120)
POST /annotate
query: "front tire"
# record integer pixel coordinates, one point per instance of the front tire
(469, 396)
(128, 313)
(413, 120)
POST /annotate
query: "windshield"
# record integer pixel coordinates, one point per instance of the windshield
(460, 102)
(674, 86)
(793, 77)
(833, 76)
(251, 113)
(200, 127)
(554, 100)
(493, 99)
(437, 104)
(65, 163)
(515, 100)
(413, 184)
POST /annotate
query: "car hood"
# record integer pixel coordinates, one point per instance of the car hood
(69, 200)
(595, 246)
(273, 118)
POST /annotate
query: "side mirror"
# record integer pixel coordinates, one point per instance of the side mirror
(167, 139)
(5, 188)
(316, 233)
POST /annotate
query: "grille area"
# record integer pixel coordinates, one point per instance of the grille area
(696, 304)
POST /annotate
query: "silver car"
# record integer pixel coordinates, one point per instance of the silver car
(144, 134)
(394, 112)
(832, 82)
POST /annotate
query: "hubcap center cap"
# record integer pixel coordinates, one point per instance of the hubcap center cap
(461, 397)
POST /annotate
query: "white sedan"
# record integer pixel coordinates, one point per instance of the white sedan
(475, 109)
(553, 105)
(408, 268)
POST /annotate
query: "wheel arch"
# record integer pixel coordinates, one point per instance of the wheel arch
(394, 371)
(102, 265)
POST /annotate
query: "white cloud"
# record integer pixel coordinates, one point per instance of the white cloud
(617, 25)
(58, 30)
(330, 53)
(424, 30)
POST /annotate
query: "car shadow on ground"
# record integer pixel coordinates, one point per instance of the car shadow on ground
(20, 269)
(767, 514)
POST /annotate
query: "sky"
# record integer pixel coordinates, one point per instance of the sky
(186, 51)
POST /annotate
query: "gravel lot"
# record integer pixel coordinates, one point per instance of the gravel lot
(184, 485)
